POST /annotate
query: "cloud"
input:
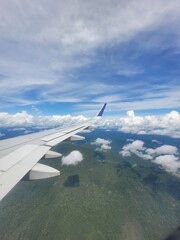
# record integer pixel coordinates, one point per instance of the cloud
(100, 141)
(137, 148)
(44, 44)
(17, 129)
(167, 124)
(73, 158)
(79, 23)
(166, 156)
(105, 147)
(18, 119)
(129, 140)
(139, 97)
(2, 134)
(129, 71)
(156, 141)
(170, 163)
(165, 149)
(133, 147)
(103, 144)
(23, 119)
(27, 132)
(130, 114)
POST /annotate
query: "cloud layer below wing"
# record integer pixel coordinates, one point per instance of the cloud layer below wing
(167, 124)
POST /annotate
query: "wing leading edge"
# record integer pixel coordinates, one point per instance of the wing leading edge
(19, 156)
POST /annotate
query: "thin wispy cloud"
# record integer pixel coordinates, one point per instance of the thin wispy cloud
(82, 52)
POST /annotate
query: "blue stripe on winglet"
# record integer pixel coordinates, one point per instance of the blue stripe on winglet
(100, 113)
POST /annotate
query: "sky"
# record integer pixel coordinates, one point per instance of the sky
(69, 57)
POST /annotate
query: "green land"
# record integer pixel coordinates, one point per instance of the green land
(105, 197)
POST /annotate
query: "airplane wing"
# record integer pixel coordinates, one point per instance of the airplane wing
(19, 156)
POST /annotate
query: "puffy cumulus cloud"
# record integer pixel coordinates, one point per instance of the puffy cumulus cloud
(73, 158)
(134, 146)
(55, 120)
(166, 156)
(167, 124)
(100, 141)
(18, 119)
(105, 147)
(103, 144)
(130, 113)
(25, 119)
(137, 148)
(166, 159)
(170, 163)
(165, 149)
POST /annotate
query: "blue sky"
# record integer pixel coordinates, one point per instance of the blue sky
(69, 57)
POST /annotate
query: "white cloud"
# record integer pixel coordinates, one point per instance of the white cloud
(100, 141)
(2, 134)
(129, 140)
(73, 158)
(43, 42)
(129, 71)
(25, 119)
(130, 114)
(165, 149)
(103, 144)
(18, 119)
(27, 132)
(154, 98)
(86, 131)
(156, 141)
(167, 156)
(134, 146)
(105, 147)
(137, 148)
(167, 124)
(170, 163)
(17, 129)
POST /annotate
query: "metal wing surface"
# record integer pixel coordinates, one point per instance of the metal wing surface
(19, 156)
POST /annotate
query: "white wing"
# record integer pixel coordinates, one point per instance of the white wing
(19, 156)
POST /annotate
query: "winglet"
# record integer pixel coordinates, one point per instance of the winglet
(100, 113)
